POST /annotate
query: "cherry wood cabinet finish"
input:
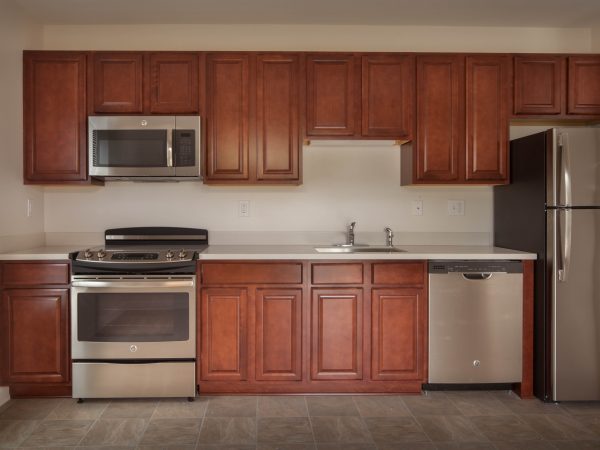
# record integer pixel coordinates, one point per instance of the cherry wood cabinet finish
(538, 84)
(337, 273)
(337, 334)
(174, 83)
(439, 144)
(35, 335)
(397, 338)
(227, 151)
(584, 85)
(388, 96)
(277, 117)
(487, 100)
(55, 141)
(407, 274)
(116, 82)
(331, 95)
(231, 273)
(24, 274)
(224, 334)
(278, 334)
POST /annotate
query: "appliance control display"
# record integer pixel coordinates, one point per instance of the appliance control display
(134, 256)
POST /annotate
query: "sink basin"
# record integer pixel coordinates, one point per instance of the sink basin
(357, 249)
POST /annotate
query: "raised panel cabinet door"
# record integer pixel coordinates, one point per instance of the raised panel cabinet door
(174, 81)
(538, 84)
(117, 84)
(278, 334)
(487, 101)
(337, 334)
(55, 118)
(35, 334)
(224, 334)
(331, 95)
(227, 151)
(439, 141)
(277, 117)
(388, 96)
(397, 334)
(584, 85)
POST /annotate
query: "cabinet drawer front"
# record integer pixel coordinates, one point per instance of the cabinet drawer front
(249, 273)
(401, 274)
(337, 273)
(36, 274)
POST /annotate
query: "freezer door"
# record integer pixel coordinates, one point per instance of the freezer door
(575, 303)
(576, 162)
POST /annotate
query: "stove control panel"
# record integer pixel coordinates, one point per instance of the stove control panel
(101, 255)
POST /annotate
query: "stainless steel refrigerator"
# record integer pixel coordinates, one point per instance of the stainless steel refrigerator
(552, 208)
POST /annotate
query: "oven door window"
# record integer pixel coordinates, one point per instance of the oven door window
(133, 317)
(130, 148)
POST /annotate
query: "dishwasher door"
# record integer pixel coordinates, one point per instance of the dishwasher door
(475, 321)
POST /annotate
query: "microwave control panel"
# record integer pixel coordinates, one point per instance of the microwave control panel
(184, 146)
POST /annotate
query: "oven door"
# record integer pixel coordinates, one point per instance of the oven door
(132, 317)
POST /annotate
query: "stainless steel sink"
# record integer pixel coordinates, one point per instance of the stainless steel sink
(357, 249)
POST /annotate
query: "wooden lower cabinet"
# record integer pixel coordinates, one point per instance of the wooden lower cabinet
(35, 335)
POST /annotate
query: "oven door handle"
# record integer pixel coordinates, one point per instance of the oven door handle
(133, 284)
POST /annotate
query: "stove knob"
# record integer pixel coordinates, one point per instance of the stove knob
(169, 254)
(101, 254)
(88, 254)
(182, 253)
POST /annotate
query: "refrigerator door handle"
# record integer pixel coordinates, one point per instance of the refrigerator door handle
(566, 194)
(565, 242)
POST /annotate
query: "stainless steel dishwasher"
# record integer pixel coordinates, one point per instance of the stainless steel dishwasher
(475, 321)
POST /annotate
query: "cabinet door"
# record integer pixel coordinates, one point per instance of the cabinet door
(440, 117)
(117, 83)
(398, 323)
(174, 79)
(538, 84)
(224, 334)
(35, 334)
(279, 334)
(55, 141)
(337, 334)
(584, 85)
(227, 117)
(277, 118)
(331, 95)
(388, 96)
(487, 100)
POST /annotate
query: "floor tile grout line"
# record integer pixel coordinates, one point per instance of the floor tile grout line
(94, 422)
(310, 421)
(362, 419)
(423, 393)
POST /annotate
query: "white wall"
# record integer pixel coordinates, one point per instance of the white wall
(16, 229)
(595, 38)
(340, 183)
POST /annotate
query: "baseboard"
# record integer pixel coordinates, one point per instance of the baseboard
(4, 395)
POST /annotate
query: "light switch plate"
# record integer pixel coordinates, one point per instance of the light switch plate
(244, 208)
(416, 208)
(456, 207)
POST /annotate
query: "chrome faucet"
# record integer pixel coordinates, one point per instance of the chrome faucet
(350, 235)
(389, 237)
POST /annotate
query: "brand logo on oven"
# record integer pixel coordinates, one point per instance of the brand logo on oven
(133, 348)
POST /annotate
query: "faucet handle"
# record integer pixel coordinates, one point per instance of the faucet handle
(352, 225)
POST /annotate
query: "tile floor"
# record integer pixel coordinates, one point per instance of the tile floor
(437, 420)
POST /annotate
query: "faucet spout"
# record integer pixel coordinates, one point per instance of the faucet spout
(389, 237)
(350, 234)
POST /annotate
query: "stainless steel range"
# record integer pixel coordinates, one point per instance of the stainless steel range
(133, 314)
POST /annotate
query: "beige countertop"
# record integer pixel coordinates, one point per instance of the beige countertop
(290, 252)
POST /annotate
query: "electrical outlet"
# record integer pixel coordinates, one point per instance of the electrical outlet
(29, 207)
(244, 208)
(416, 208)
(456, 207)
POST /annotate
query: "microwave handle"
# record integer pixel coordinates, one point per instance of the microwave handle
(169, 150)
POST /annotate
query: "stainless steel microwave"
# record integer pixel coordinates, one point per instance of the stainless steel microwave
(144, 148)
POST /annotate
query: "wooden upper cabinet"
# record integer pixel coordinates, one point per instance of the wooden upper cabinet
(277, 117)
(538, 84)
(174, 80)
(388, 96)
(35, 329)
(331, 95)
(584, 85)
(55, 119)
(439, 143)
(117, 83)
(227, 150)
(487, 101)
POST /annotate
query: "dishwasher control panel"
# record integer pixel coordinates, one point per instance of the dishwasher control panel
(471, 266)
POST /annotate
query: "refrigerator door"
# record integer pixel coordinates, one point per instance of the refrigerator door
(575, 290)
(576, 166)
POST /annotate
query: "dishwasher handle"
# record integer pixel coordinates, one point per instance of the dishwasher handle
(477, 276)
